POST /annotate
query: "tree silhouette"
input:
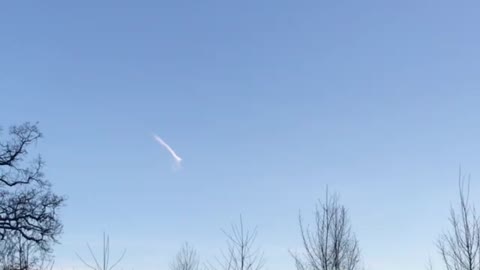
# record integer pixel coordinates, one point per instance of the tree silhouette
(186, 259)
(460, 246)
(240, 253)
(331, 244)
(28, 207)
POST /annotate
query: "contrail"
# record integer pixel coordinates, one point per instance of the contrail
(169, 149)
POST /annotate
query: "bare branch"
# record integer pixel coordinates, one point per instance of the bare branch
(104, 264)
(186, 259)
(240, 253)
(460, 247)
(29, 220)
(331, 245)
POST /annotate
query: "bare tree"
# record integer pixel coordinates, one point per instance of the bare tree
(28, 207)
(186, 259)
(104, 263)
(331, 245)
(20, 254)
(241, 253)
(460, 247)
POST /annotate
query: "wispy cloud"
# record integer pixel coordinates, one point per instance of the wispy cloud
(176, 158)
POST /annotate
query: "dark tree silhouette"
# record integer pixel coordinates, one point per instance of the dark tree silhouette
(460, 246)
(28, 207)
(20, 254)
(186, 259)
(331, 244)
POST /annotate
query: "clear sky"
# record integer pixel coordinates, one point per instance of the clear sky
(267, 102)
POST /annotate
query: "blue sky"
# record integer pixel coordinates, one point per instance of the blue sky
(267, 102)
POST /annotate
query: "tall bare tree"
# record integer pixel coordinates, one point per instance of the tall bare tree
(460, 246)
(241, 253)
(103, 262)
(331, 244)
(186, 259)
(28, 207)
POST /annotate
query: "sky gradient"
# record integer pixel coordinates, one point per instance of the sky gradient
(267, 103)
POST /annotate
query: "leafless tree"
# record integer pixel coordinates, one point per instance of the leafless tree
(331, 244)
(460, 246)
(241, 253)
(20, 254)
(28, 207)
(104, 263)
(186, 259)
